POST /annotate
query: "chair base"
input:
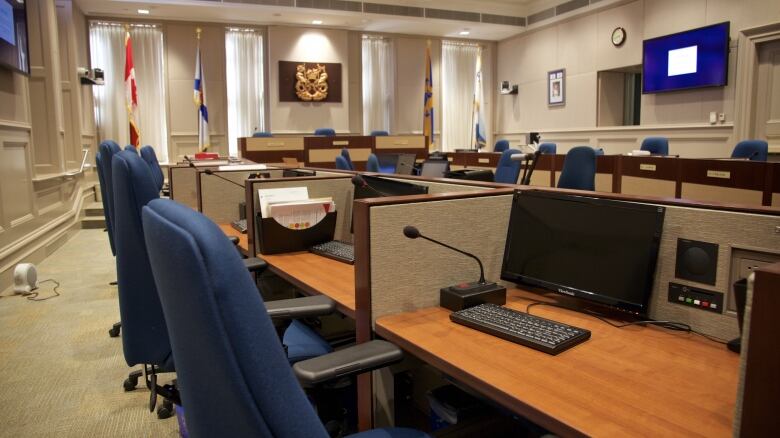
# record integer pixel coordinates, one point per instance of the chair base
(132, 380)
(114, 330)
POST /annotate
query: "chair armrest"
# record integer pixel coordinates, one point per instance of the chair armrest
(254, 264)
(350, 361)
(295, 308)
(233, 239)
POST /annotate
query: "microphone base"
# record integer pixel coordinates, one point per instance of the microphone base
(464, 295)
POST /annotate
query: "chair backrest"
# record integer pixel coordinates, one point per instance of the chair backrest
(330, 132)
(656, 145)
(501, 146)
(148, 155)
(345, 154)
(755, 150)
(144, 335)
(232, 372)
(106, 151)
(599, 151)
(262, 134)
(579, 169)
(380, 133)
(507, 170)
(341, 163)
(372, 165)
(548, 148)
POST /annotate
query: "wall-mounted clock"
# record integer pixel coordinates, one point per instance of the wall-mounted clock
(618, 36)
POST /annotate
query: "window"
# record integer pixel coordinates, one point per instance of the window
(458, 83)
(378, 84)
(107, 51)
(245, 82)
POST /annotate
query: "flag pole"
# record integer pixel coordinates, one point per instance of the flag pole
(198, 30)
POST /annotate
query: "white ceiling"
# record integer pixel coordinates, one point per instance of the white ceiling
(235, 13)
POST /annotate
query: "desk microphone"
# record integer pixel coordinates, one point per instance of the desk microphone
(189, 160)
(359, 181)
(521, 157)
(211, 172)
(464, 295)
(529, 169)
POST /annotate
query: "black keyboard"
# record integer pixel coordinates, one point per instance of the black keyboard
(336, 250)
(239, 225)
(538, 333)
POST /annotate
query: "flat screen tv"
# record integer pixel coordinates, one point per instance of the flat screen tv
(600, 250)
(14, 52)
(692, 59)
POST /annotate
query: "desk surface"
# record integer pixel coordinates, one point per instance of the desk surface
(629, 381)
(243, 243)
(317, 275)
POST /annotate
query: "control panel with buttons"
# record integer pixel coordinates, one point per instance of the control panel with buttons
(696, 297)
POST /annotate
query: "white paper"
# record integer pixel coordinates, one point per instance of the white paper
(287, 194)
(245, 167)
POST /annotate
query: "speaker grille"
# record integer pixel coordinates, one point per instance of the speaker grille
(405, 11)
(451, 15)
(503, 19)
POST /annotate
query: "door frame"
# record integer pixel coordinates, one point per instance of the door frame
(747, 74)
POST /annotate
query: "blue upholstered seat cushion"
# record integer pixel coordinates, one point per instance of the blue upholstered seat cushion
(303, 343)
(391, 432)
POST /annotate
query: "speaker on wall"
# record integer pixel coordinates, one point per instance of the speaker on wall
(696, 261)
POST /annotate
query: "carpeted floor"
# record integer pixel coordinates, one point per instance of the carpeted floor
(61, 373)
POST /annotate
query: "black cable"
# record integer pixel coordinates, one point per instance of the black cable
(669, 325)
(32, 296)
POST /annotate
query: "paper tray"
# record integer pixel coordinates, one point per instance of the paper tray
(273, 238)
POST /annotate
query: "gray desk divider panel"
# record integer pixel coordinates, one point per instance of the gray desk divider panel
(435, 188)
(220, 199)
(183, 187)
(407, 274)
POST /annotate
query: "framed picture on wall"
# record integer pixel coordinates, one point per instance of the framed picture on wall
(556, 87)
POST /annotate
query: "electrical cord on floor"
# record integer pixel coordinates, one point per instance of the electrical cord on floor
(669, 325)
(33, 296)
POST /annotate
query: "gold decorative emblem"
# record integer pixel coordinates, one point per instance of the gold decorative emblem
(312, 83)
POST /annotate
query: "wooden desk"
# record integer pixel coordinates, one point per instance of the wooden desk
(243, 243)
(317, 275)
(621, 382)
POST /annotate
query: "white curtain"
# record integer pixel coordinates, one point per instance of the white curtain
(459, 64)
(245, 97)
(107, 48)
(378, 84)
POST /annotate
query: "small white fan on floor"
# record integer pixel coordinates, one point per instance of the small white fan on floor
(25, 278)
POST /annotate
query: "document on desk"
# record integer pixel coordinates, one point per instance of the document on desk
(300, 215)
(275, 196)
(244, 167)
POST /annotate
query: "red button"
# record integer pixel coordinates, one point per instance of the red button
(705, 304)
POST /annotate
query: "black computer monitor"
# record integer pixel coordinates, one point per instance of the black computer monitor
(387, 162)
(435, 168)
(405, 164)
(599, 250)
(377, 187)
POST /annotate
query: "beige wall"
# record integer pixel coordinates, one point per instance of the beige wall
(45, 121)
(582, 46)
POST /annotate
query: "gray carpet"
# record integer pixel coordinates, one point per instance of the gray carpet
(61, 373)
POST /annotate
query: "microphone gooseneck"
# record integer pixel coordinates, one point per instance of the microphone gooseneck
(211, 172)
(189, 160)
(412, 232)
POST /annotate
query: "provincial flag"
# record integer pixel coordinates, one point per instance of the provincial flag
(428, 112)
(131, 92)
(200, 102)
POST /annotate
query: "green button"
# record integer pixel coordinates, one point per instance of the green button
(688, 300)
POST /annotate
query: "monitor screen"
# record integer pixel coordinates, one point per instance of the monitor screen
(13, 36)
(376, 187)
(435, 168)
(597, 249)
(691, 59)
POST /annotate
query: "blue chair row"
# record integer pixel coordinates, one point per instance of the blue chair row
(320, 131)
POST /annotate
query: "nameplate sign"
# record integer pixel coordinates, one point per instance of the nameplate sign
(724, 174)
(341, 143)
(483, 160)
(449, 159)
(400, 142)
(648, 167)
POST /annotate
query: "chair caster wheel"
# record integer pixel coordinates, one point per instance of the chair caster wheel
(113, 332)
(166, 410)
(129, 386)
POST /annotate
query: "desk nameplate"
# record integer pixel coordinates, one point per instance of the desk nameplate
(723, 174)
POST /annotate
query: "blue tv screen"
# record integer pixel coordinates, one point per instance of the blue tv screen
(691, 59)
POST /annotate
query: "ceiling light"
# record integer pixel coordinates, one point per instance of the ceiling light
(143, 11)
(463, 32)
(316, 21)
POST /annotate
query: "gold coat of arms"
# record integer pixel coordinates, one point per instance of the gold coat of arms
(312, 84)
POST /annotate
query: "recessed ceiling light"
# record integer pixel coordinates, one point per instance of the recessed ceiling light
(143, 11)
(464, 32)
(316, 21)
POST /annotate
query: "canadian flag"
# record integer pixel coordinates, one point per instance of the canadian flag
(131, 93)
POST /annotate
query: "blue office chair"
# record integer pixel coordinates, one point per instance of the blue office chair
(330, 132)
(341, 163)
(345, 154)
(656, 145)
(106, 151)
(372, 165)
(148, 155)
(754, 150)
(380, 133)
(579, 169)
(599, 151)
(262, 134)
(501, 146)
(507, 170)
(548, 148)
(213, 311)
